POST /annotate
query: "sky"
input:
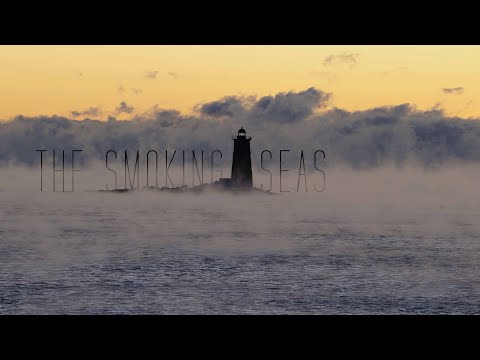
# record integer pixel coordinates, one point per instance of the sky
(122, 81)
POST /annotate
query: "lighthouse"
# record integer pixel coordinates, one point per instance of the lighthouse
(242, 162)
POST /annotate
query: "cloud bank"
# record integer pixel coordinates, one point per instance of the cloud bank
(283, 108)
(395, 135)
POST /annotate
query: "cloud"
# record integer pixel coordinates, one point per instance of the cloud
(173, 74)
(343, 58)
(290, 107)
(281, 108)
(91, 111)
(137, 91)
(124, 108)
(228, 106)
(151, 74)
(394, 135)
(457, 90)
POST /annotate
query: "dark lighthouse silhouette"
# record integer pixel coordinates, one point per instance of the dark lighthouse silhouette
(241, 177)
(242, 162)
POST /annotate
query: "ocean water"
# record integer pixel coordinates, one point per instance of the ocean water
(152, 253)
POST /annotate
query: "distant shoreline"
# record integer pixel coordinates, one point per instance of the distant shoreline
(194, 190)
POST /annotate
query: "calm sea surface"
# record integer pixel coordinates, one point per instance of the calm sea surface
(140, 253)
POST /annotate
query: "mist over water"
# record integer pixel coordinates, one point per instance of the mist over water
(381, 241)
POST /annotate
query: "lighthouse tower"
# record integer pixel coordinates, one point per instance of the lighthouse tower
(242, 162)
